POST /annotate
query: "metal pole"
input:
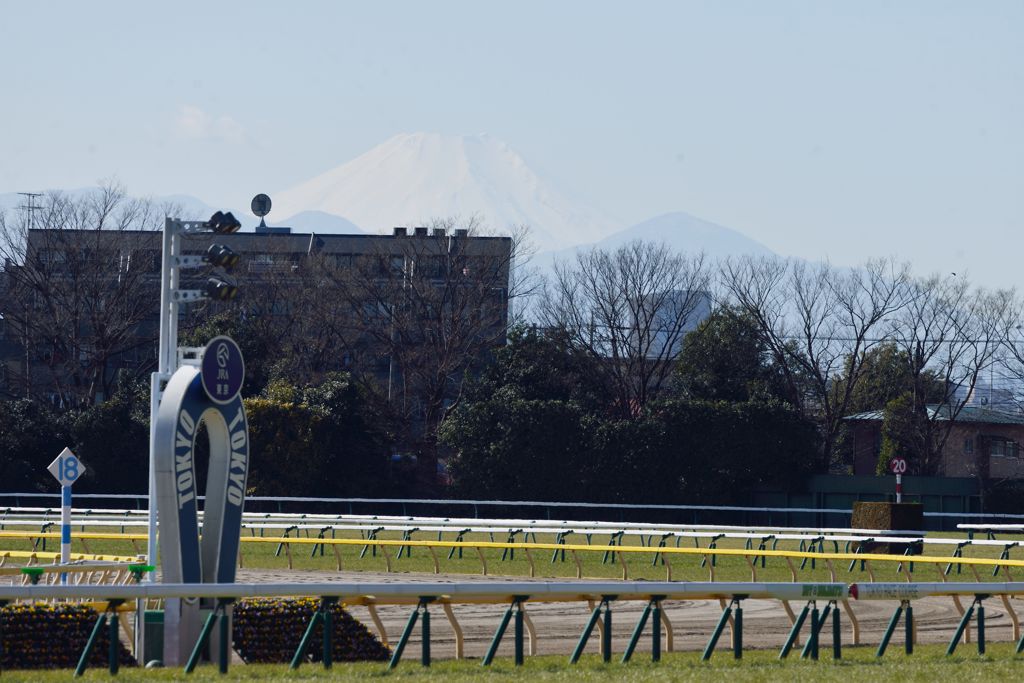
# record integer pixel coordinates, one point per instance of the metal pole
(225, 640)
(115, 641)
(960, 630)
(737, 631)
(496, 641)
(710, 648)
(425, 628)
(889, 630)
(606, 634)
(65, 529)
(656, 633)
(328, 645)
(519, 634)
(981, 627)
(837, 637)
(908, 629)
(83, 660)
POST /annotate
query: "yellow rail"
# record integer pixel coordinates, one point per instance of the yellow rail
(620, 551)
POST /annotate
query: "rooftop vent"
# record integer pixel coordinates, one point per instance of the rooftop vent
(439, 232)
(421, 232)
(401, 232)
(461, 232)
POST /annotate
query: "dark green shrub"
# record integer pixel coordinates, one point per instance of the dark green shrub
(887, 516)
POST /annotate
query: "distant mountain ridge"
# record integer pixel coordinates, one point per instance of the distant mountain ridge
(414, 177)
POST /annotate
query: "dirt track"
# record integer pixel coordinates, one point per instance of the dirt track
(558, 626)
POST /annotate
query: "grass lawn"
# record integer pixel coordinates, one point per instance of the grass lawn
(594, 564)
(928, 663)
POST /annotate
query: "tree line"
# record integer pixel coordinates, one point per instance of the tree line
(598, 373)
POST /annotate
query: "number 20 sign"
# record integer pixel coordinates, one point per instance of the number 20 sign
(67, 468)
(898, 465)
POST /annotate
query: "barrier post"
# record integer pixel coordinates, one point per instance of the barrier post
(587, 630)
(224, 644)
(813, 637)
(113, 635)
(656, 630)
(737, 631)
(83, 660)
(794, 632)
(981, 626)
(204, 636)
(396, 656)
(821, 624)
(908, 628)
(519, 633)
(722, 621)
(892, 627)
(300, 652)
(837, 634)
(637, 632)
(425, 628)
(606, 634)
(496, 641)
(960, 630)
(326, 604)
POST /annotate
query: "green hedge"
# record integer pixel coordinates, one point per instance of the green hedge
(45, 636)
(887, 516)
(268, 631)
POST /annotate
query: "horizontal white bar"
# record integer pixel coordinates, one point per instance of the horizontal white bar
(915, 591)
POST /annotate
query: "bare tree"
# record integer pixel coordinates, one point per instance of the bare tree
(417, 319)
(819, 322)
(630, 309)
(954, 333)
(78, 281)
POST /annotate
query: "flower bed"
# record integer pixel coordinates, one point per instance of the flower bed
(267, 631)
(52, 636)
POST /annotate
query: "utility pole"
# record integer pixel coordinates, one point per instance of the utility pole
(30, 206)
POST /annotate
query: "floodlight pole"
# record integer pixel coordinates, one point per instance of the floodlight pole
(171, 296)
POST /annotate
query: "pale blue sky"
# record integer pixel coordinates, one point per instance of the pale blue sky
(838, 129)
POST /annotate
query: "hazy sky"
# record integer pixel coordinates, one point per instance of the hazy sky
(838, 129)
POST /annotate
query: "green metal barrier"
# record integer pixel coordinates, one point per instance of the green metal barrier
(323, 615)
(396, 656)
(976, 607)
(737, 640)
(224, 646)
(653, 608)
(110, 619)
(514, 610)
(606, 636)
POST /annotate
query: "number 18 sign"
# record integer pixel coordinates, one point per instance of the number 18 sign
(67, 468)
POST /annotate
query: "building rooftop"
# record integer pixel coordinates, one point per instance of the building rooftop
(941, 413)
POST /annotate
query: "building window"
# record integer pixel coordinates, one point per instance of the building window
(1003, 448)
(969, 445)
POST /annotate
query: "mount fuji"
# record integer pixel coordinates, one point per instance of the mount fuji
(412, 178)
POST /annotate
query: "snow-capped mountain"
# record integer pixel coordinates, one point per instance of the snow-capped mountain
(412, 178)
(686, 233)
(318, 221)
(680, 231)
